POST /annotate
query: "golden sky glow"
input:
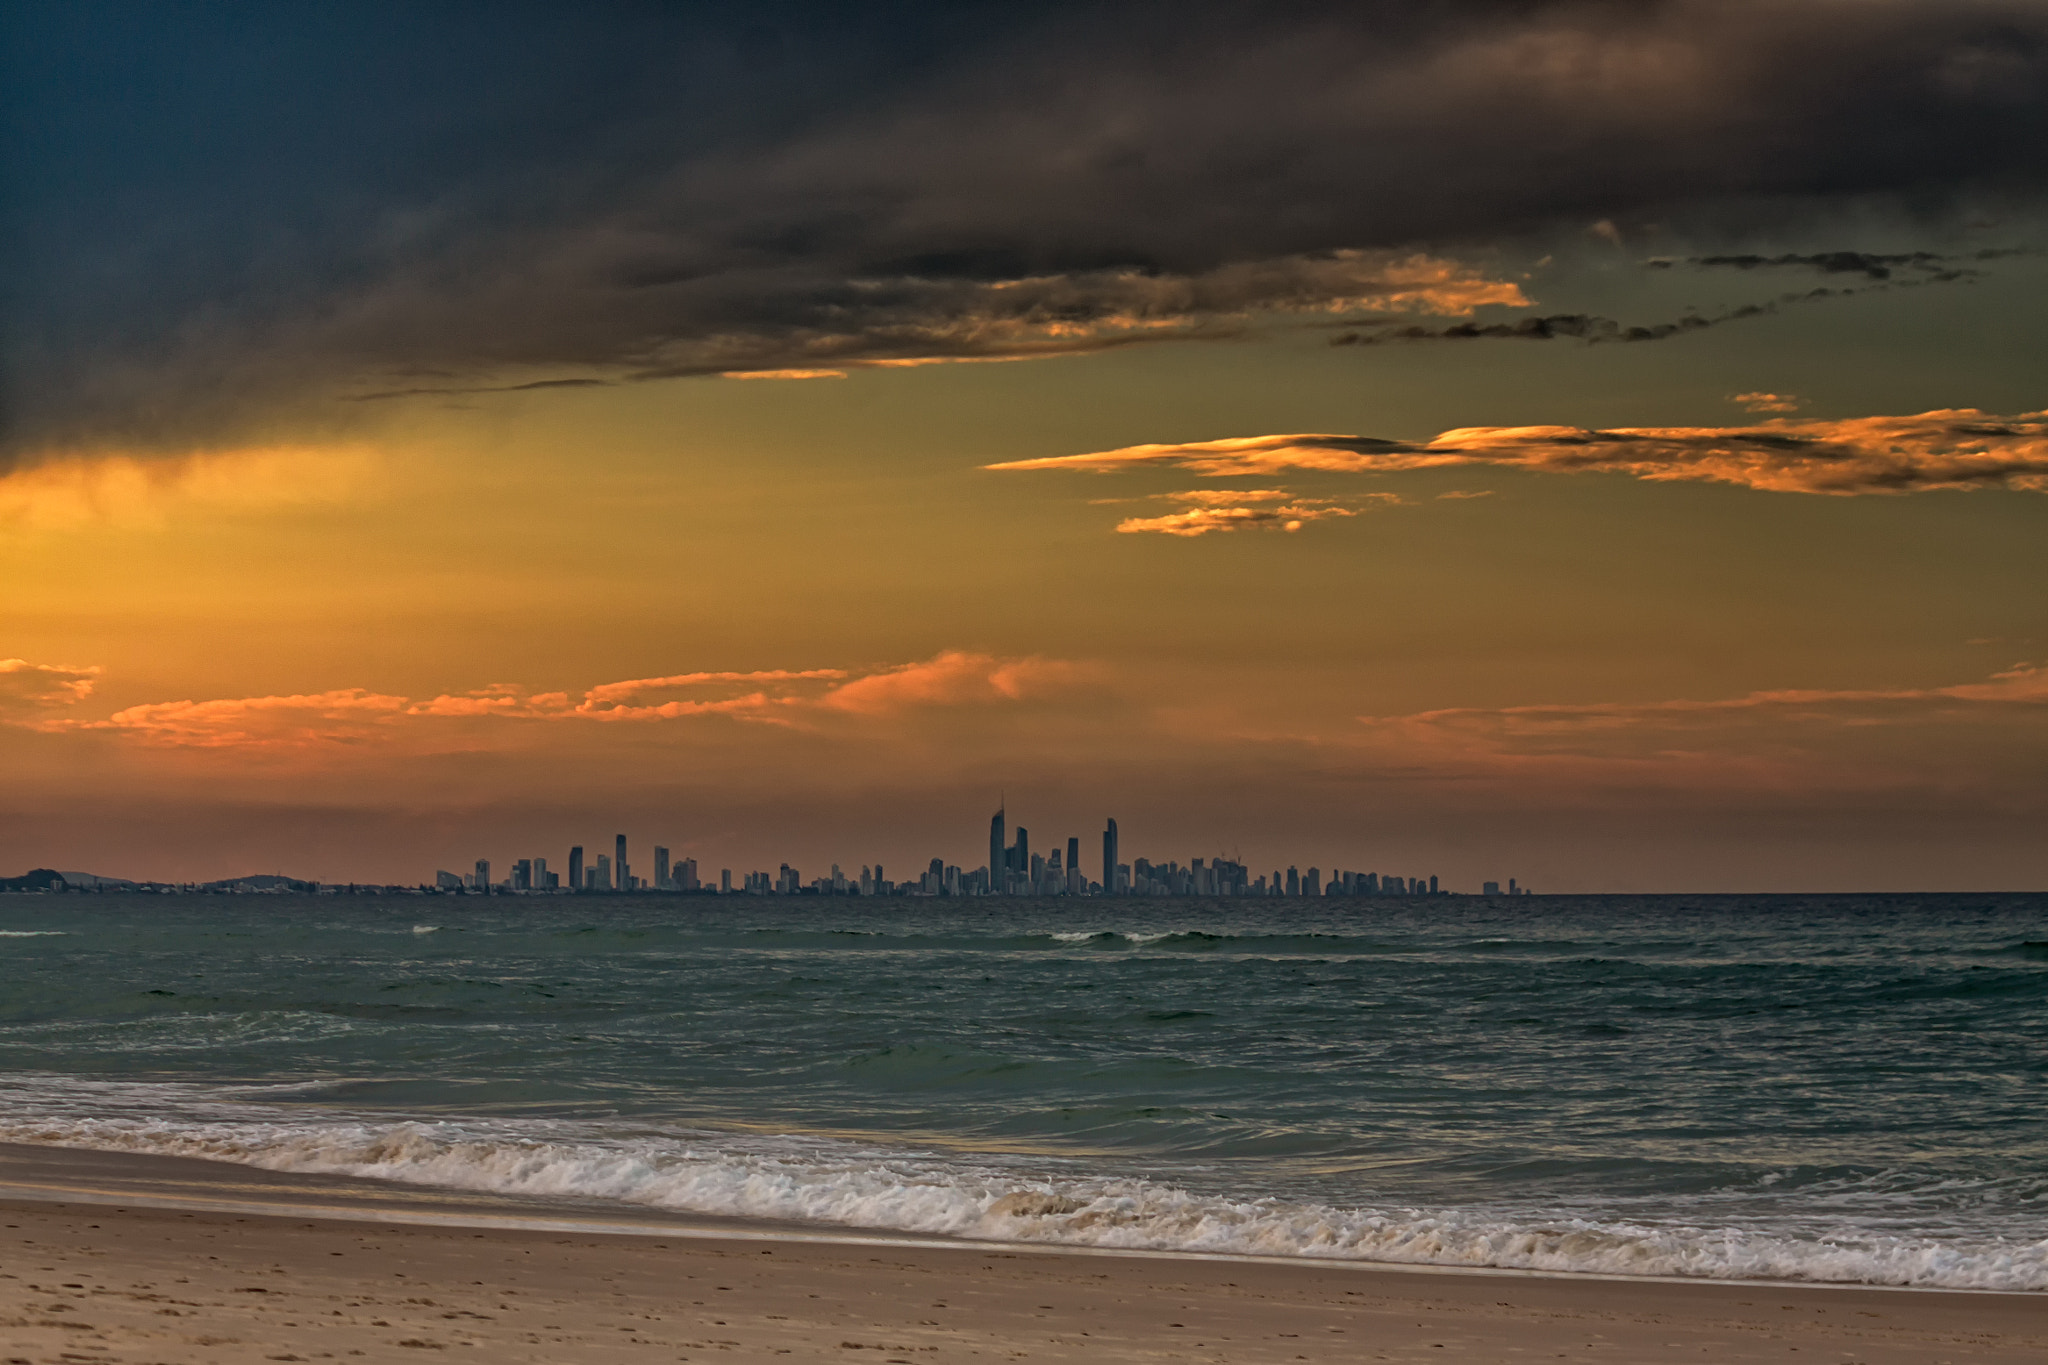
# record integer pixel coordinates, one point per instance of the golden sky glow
(510, 539)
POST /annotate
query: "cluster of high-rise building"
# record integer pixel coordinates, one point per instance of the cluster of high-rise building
(1013, 869)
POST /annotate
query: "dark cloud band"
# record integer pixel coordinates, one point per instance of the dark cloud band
(226, 217)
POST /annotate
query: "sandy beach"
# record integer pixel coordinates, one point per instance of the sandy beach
(120, 1258)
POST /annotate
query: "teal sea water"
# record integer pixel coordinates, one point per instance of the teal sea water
(1848, 1088)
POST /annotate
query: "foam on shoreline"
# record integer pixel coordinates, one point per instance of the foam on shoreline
(827, 1184)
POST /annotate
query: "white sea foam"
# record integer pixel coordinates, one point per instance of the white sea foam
(834, 1182)
(32, 933)
(426, 928)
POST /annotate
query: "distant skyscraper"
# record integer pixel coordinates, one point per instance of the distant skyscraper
(997, 851)
(540, 874)
(619, 868)
(1020, 852)
(660, 868)
(483, 874)
(725, 881)
(576, 868)
(603, 879)
(1109, 886)
(1073, 852)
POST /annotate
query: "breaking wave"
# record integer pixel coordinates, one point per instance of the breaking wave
(831, 1182)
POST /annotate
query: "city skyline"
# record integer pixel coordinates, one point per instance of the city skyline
(1056, 872)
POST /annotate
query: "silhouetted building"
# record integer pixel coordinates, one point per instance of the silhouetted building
(1109, 864)
(660, 868)
(997, 854)
(620, 873)
(576, 867)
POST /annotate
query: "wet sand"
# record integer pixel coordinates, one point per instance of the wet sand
(120, 1258)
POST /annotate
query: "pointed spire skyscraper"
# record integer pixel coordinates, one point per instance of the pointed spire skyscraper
(998, 844)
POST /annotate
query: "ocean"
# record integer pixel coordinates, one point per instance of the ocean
(1817, 1088)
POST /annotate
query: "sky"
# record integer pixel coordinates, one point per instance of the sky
(1601, 444)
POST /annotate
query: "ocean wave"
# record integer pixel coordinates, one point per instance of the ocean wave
(33, 933)
(845, 1184)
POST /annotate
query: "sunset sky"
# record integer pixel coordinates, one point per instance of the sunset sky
(1600, 444)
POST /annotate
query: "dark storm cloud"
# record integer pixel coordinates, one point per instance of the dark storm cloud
(1874, 265)
(221, 217)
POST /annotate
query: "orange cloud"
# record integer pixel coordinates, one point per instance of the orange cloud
(783, 374)
(1225, 509)
(1659, 727)
(356, 715)
(612, 695)
(953, 678)
(1952, 448)
(339, 717)
(1766, 402)
(29, 688)
(1218, 511)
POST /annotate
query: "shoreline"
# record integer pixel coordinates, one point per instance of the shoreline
(33, 1173)
(111, 1257)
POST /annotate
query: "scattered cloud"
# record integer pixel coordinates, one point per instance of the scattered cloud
(26, 688)
(1227, 509)
(1668, 729)
(345, 716)
(1933, 266)
(1200, 521)
(612, 696)
(953, 678)
(355, 716)
(898, 322)
(1463, 493)
(1954, 448)
(782, 374)
(1766, 402)
(1595, 330)
(1220, 497)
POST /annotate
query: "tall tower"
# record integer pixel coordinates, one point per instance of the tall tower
(619, 882)
(576, 868)
(1073, 852)
(998, 845)
(1109, 886)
